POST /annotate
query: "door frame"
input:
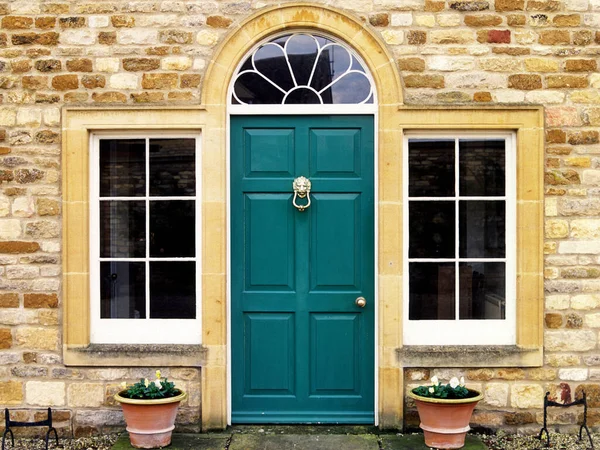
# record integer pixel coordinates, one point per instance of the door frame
(325, 110)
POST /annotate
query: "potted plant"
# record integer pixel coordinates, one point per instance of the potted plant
(445, 411)
(150, 408)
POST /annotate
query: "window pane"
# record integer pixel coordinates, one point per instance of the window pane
(482, 167)
(432, 291)
(122, 168)
(430, 168)
(172, 228)
(173, 290)
(122, 291)
(431, 229)
(122, 229)
(482, 226)
(482, 290)
(172, 167)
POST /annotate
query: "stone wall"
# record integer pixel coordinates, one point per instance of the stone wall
(482, 52)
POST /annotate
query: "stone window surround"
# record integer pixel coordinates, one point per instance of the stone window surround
(211, 119)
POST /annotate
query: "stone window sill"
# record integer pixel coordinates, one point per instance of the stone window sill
(469, 356)
(136, 355)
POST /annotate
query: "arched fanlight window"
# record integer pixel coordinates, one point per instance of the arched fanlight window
(301, 69)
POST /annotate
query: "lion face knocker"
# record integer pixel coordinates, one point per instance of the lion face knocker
(301, 187)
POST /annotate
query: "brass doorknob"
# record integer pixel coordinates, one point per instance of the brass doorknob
(361, 302)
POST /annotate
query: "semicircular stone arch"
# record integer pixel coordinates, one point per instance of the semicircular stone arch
(302, 16)
(366, 44)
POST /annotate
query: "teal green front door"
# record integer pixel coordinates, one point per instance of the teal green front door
(302, 349)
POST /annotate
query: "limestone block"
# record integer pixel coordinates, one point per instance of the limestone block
(393, 37)
(85, 395)
(527, 396)
(545, 97)
(4, 206)
(45, 285)
(402, 20)
(23, 207)
(31, 117)
(37, 338)
(11, 393)
(579, 247)
(563, 360)
(78, 37)
(569, 341)
(97, 416)
(107, 64)
(451, 63)
(449, 20)
(477, 80)
(137, 36)
(592, 320)
(10, 228)
(452, 37)
(556, 228)
(45, 393)
(207, 38)
(425, 20)
(557, 302)
(98, 21)
(52, 117)
(124, 81)
(176, 63)
(508, 96)
(496, 394)
(108, 374)
(8, 117)
(573, 374)
(577, 5)
(22, 272)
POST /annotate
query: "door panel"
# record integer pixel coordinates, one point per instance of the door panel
(270, 353)
(302, 351)
(270, 238)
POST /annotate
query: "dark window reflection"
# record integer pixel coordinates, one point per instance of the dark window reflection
(172, 167)
(297, 69)
(302, 54)
(431, 168)
(482, 167)
(482, 290)
(172, 228)
(172, 290)
(122, 168)
(432, 291)
(482, 226)
(122, 290)
(431, 229)
(122, 229)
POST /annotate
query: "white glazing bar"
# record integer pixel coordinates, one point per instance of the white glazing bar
(147, 261)
(456, 231)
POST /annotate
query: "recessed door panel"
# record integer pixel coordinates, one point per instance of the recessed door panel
(269, 152)
(302, 350)
(269, 234)
(335, 152)
(335, 243)
(334, 347)
(269, 353)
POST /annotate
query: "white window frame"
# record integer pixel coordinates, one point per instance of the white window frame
(465, 332)
(141, 331)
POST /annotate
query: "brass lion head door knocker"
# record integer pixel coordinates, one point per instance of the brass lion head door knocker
(301, 187)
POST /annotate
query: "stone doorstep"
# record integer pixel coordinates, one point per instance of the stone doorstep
(261, 441)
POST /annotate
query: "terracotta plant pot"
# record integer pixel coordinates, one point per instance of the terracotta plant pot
(150, 423)
(445, 422)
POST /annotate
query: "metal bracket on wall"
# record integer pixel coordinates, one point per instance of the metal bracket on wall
(581, 401)
(8, 424)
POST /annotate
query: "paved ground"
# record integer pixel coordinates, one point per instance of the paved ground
(313, 438)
